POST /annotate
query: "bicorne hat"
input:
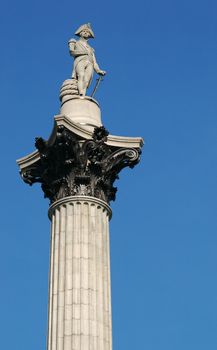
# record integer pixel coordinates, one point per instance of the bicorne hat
(86, 27)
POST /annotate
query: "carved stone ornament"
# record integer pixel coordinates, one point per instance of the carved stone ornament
(72, 166)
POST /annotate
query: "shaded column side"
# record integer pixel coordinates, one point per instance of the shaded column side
(79, 290)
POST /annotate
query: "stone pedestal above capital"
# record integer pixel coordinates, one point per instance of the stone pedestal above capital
(82, 110)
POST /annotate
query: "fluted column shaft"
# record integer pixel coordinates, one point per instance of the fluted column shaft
(79, 288)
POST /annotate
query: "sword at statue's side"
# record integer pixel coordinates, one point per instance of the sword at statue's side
(98, 80)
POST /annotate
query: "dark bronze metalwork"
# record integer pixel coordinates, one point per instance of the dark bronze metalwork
(72, 166)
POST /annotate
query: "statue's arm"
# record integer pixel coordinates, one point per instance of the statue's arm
(96, 66)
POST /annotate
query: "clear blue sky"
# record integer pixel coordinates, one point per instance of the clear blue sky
(161, 59)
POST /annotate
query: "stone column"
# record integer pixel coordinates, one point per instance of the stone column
(77, 168)
(79, 291)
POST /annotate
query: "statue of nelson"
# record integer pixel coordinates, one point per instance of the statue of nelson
(84, 59)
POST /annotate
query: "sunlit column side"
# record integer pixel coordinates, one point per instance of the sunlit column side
(79, 288)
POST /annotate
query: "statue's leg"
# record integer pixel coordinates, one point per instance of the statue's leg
(80, 70)
(88, 75)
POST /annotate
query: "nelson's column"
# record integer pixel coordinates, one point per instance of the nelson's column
(77, 167)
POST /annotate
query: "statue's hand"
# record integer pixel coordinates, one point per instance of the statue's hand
(101, 72)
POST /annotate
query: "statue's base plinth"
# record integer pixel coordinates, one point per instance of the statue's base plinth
(83, 110)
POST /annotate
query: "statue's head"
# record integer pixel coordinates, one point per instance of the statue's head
(85, 31)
